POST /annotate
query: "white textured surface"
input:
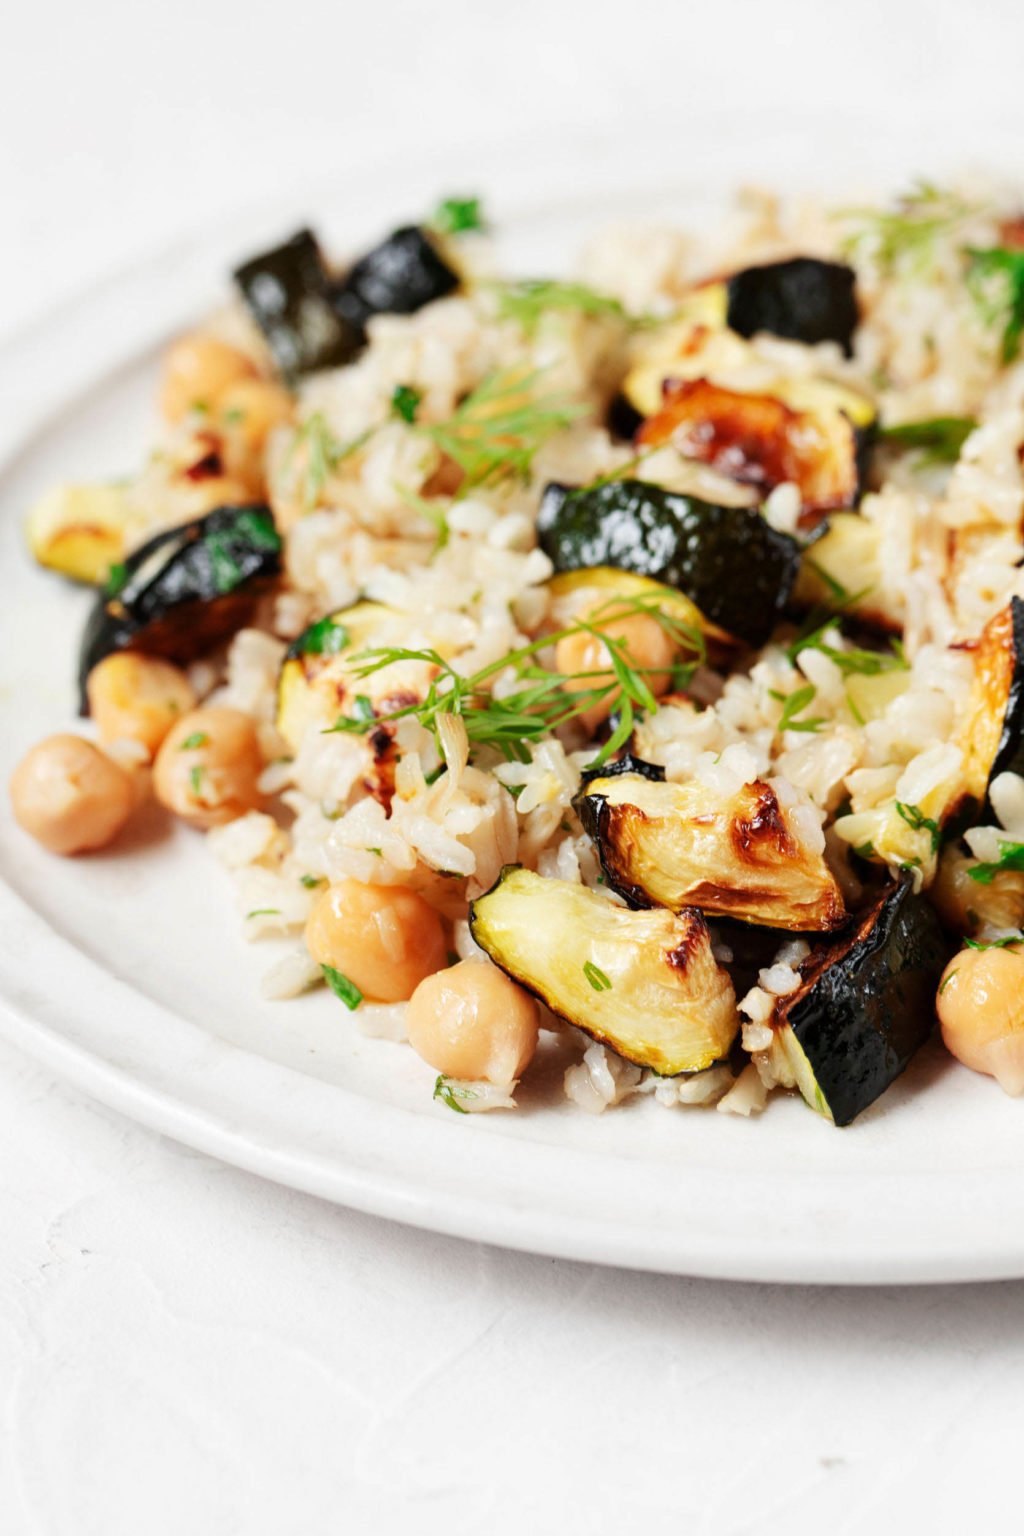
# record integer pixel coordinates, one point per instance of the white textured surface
(186, 1349)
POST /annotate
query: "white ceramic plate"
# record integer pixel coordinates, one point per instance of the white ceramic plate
(126, 972)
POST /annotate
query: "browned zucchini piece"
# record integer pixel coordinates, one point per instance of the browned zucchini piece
(685, 845)
(993, 734)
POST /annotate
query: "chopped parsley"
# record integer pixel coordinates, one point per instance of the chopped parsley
(448, 1093)
(995, 278)
(405, 400)
(458, 216)
(311, 881)
(340, 985)
(918, 822)
(117, 578)
(939, 438)
(362, 708)
(193, 742)
(597, 978)
(793, 705)
(1011, 857)
(324, 638)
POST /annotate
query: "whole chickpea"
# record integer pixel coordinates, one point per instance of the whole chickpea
(649, 648)
(70, 796)
(980, 1005)
(138, 698)
(207, 769)
(247, 413)
(197, 370)
(471, 1021)
(385, 938)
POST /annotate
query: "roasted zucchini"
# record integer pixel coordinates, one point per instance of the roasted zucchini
(734, 567)
(644, 983)
(761, 440)
(81, 530)
(865, 1003)
(802, 299)
(685, 845)
(186, 589)
(288, 293)
(993, 733)
(846, 558)
(397, 277)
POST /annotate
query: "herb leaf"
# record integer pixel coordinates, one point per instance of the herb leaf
(940, 438)
(597, 978)
(458, 215)
(906, 234)
(193, 742)
(263, 912)
(1010, 938)
(500, 426)
(1011, 856)
(324, 638)
(195, 779)
(528, 301)
(405, 400)
(340, 985)
(918, 822)
(995, 278)
(793, 704)
(446, 1091)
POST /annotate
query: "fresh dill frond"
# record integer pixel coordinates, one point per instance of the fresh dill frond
(323, 454)
(793, 706)
(501, 425)
(530, 299)
(907, 234)
(995, 279)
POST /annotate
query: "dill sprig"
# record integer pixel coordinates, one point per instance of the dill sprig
(542, 700)
(324, 452)
(995, 279)
(498, 429)
(530, 299)
(906, 234)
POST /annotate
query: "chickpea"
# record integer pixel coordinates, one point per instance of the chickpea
(207, 769)
(247, 413)
(137, 698)
(471, 1021)
(197, 371)
(649, 648)
(70, 796)
(981, 1009)
(384, 938)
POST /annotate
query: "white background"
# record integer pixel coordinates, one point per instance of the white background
(184, 1349)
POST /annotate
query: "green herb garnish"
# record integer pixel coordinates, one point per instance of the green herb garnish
(865, 850)
(117, 578)
(499, 427)
(940, 438)
(597, 978)
(405, 400)
(263, 912)
(793, 704)
(458, 216)
(946, 983)
(446, 1091)
(907, 234)
(995, 278)
(323, 455)
(1011, 857)
(324, 638)
(918, 822)
(311, 881)
(1011, 938)
(191, 743)
(340, 985)
(853, 660)
(195, 779)
(528, 301)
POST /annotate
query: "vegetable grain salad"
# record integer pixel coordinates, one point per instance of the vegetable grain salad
(630, 666)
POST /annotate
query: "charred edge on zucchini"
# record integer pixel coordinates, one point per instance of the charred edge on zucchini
(628, 763)
(865, 1004)
(685, 845)
(397, 277)
(736, 568)
(186, 589)
(993, 736)
(759, 440)
(667, 1004)
(288, 293)
(803, 299)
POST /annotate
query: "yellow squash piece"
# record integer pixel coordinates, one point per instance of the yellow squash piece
(81, 530)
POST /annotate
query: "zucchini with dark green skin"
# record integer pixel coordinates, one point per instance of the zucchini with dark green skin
(185, 590)
(993, 734)
(397, 277)
(644, 983)
(865, 1004)
(802, 299)
(287, 291)
(736, 568)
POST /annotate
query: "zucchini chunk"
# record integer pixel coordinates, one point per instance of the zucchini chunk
(80, 530)
(761, 440)
(728, 560)
(186, 589)
(644, 983)
(993, 734)
(287, 291)
(864, 1005)
(685, 845)
(846, 555)
(397, 277)
(803, 299)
